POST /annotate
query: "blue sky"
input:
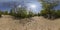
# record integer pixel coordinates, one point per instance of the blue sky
(4, 4)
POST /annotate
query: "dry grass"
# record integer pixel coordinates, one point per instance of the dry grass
(37, 23)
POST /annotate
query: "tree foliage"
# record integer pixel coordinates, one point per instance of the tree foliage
(21, 13)
(0, 13)
(48, 8)
(31, 14)
(58, 13)
(5, 13)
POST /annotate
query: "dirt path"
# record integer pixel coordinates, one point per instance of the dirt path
(38, 23)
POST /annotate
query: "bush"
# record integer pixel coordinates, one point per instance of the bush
(0, 13)
(5, 13)
(58, 13)
(43, 12)
(53, 14)
(47, 14)
(21, 13)
(31, 14)
(39, 14)
(11, 12)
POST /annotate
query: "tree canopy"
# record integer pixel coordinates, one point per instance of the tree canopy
(48, 8)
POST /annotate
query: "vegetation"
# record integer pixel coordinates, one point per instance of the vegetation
(21, 13)
(47, 12)
(0, 13)
(5, 13)
(31, 14)
(48, 9)
(58, 13)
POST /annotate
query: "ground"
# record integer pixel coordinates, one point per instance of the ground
(8, 22)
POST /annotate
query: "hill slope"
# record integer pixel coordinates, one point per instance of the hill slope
(35, 23)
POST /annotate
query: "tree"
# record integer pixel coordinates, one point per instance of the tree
(0, 13)
(12, 12)
(58, 13)
(47, 7)
(22, 12)
(31, 14)
(5, 13)
(19, 12)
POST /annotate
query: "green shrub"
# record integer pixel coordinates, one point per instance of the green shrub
(58, 13)
(12, 12)
(35, 14)
(0, 13)
(53, 13)
(48, 15)
(43, 12)
(5, 13)
(31, 14)
(39, 14)
(21, 13)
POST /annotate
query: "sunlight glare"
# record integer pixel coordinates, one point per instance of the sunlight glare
(33, 6)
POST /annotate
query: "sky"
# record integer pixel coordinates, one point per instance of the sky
(28, 3)
(4, 4)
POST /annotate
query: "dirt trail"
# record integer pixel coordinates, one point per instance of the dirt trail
(38, 23)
